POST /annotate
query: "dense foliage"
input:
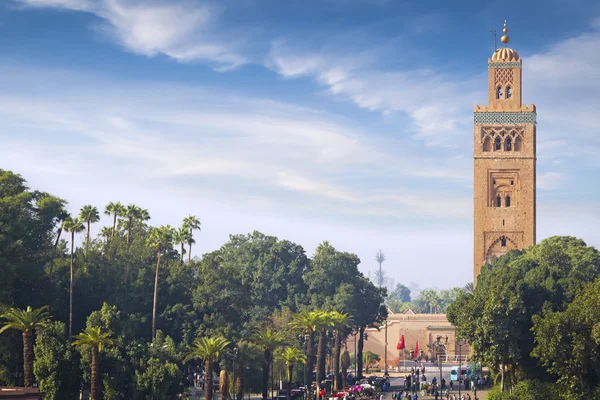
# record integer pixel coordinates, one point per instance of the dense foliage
(533, 317)
(132, 286)
(428, 301)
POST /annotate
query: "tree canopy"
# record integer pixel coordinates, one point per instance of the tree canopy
(132, 271)
(517, 319)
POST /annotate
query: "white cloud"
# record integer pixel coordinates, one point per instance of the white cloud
(184, 134)
(549, 180)
(183, 31)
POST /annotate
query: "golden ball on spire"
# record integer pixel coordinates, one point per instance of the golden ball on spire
(505, 39)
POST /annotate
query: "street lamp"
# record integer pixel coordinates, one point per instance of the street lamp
(385, 371)
(460, 344)
(439, 347)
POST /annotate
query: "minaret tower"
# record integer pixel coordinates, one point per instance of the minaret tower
(504, 162)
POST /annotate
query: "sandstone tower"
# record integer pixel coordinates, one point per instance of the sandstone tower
(504, 162)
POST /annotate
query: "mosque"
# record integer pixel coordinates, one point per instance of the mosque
(504, 150)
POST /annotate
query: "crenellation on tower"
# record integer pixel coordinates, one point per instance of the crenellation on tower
(504, 162)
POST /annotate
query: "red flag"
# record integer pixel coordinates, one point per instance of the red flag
(400, 344)
(416, 355)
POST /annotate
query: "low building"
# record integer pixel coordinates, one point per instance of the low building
(421, 328)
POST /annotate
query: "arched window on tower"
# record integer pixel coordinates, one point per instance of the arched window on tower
(503, 241)
(518, 143)
(498, 201)
(508, 144)
(507, 201)
(487, 144)
(499, 92)
(497, 144)
(508, 92)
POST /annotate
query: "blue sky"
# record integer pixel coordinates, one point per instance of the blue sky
(340, 120)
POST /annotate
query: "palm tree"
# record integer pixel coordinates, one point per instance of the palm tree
(207, 349)
(345, 364)
(132, 213)
(306, 322)
(469, 287)
(89, 214)
(269, 340)
(26, 321)
(340, 322)
(246, 352)
(61, 217)
(114, 209)
(325, 322)
(73, 225)
(291, 356)
(160, 239)
(96, 339)
(182, 236)
(192, 223)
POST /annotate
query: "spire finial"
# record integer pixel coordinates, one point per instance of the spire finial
(505, 39)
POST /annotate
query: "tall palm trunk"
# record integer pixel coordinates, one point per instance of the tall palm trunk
(337, 379)
(114, 225)
(129, 226)
(359, 352)
(265, 374)
(87, 237)
(190, 253)
(71, 287)
(182, 250)
(309, 362)
(95, 378)
(290, 370)
(321, 351)
(155, 295)
(28, 358)
(58, 233)
(208, 381)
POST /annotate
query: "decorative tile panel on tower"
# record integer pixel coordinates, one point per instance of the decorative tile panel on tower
(504, 163)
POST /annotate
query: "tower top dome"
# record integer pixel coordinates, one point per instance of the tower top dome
(505, 53)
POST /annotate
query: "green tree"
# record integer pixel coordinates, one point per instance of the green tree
(306, 322)
(291, 356)
(96, 340)
(207, 349)
(26, 321)
(115, 209)
(157, 376)
(341, 323)
(132, 214)
(88, 214)
(247, 352)
(269, 340)
(401, 293)
(160, 239)
(326, 323)
(498, 316)
(566, 345)
(73, 226)
(54, 366)
(192, 223)
(370, 358)
(182, 237)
